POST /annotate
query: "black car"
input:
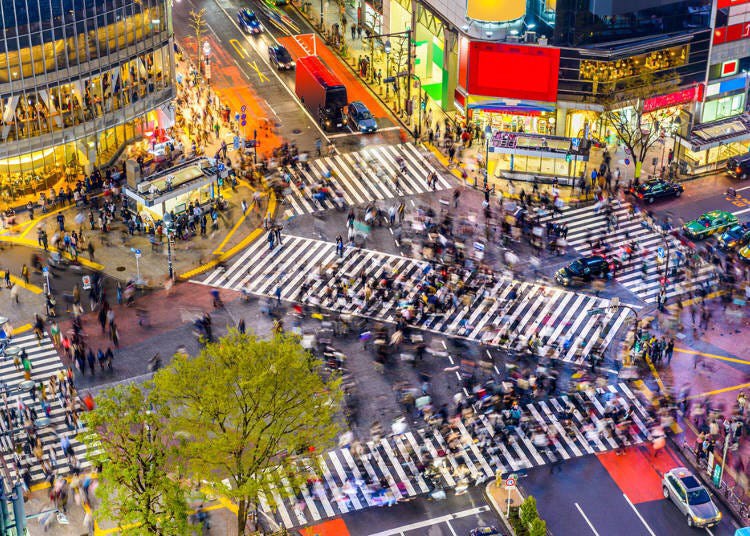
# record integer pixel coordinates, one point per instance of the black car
(280, 57)
(739, 166)
(657, 189)
(584, 269)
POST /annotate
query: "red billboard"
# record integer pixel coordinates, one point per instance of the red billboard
(673, 99)
(527, 72)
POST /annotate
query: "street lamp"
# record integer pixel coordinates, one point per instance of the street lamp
(387, 48)
(487, 140)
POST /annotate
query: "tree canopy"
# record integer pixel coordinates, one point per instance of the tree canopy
(248, 407)
(638, 128)
(139, 485)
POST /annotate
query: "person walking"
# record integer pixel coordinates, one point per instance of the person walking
(669, 350)
(7, 278)
(25, 274)
(14, 293)
(339, 246)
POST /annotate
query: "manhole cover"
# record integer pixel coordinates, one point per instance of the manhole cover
(296, 131)
(120, 268)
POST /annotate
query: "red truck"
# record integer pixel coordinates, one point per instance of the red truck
(321, 92)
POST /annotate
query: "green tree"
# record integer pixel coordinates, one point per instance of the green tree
(637, 128)
(528, 512)
(249, 407)
(538, 527)
(139, 485)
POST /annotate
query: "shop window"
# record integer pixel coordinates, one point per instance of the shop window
(610, 71)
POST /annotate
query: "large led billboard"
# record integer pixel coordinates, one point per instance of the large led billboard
(494, 11)
(513, 71)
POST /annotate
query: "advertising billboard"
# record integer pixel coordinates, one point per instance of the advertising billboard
(527, 72)
(494, 11)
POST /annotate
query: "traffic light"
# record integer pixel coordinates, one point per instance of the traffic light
(568, 157)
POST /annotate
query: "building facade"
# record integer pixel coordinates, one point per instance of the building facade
(720, 125)
(549, 67)
(79, 79)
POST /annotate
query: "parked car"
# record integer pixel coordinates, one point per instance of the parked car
(280, 57)
(656, 189)
(716, 221)
(584, 269)
(739, 166)
(735, 237)
(691, 498)
(484, 531)
(249, 21)
(360, 117)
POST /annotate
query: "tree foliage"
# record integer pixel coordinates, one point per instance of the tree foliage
(528, 512)
(249, 407)
(139, 484)
(538, 527)
(638, 129)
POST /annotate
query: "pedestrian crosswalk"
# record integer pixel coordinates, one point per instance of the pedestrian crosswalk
(585, 224)
(361, 176)
(45, 362)
(303, 268)
(384, 470)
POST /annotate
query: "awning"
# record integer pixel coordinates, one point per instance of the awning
(509, 106)
(710, 135)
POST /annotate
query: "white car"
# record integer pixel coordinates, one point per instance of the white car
(690, 497)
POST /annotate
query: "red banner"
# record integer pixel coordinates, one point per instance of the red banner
(729, 3)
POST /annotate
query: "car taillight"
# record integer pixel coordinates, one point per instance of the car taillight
(640, 195)
(738, 170)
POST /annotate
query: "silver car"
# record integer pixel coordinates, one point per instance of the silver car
(691, 497)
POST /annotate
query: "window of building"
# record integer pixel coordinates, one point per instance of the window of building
(723, 107)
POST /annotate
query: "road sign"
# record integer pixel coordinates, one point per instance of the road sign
(137, 252)
(627, 161)
(45, 269)
(243, 108)
(510, 482)
(237, 116)
(221, 166)
(236, 142)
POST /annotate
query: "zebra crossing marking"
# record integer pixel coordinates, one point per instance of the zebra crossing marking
(259, 270)
(394, 461)
(45, 362)
(364, 176)
(583, 222)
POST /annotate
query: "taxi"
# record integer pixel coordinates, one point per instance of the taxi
(691, 498)
(716, 221)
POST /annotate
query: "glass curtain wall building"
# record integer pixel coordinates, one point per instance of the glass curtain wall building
(79, 79)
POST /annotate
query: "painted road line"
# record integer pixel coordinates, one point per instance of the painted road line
(719, 391)
(429, 522)
(712, 356)
(586, 519)
(651, 532)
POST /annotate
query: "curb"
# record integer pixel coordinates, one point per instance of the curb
(232, 251)
(498, 510)
(32, 244)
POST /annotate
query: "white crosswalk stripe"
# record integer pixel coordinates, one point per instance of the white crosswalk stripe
(585, 224)
(45, 362)
(518, 307)
(394, 461)
(362, 177)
